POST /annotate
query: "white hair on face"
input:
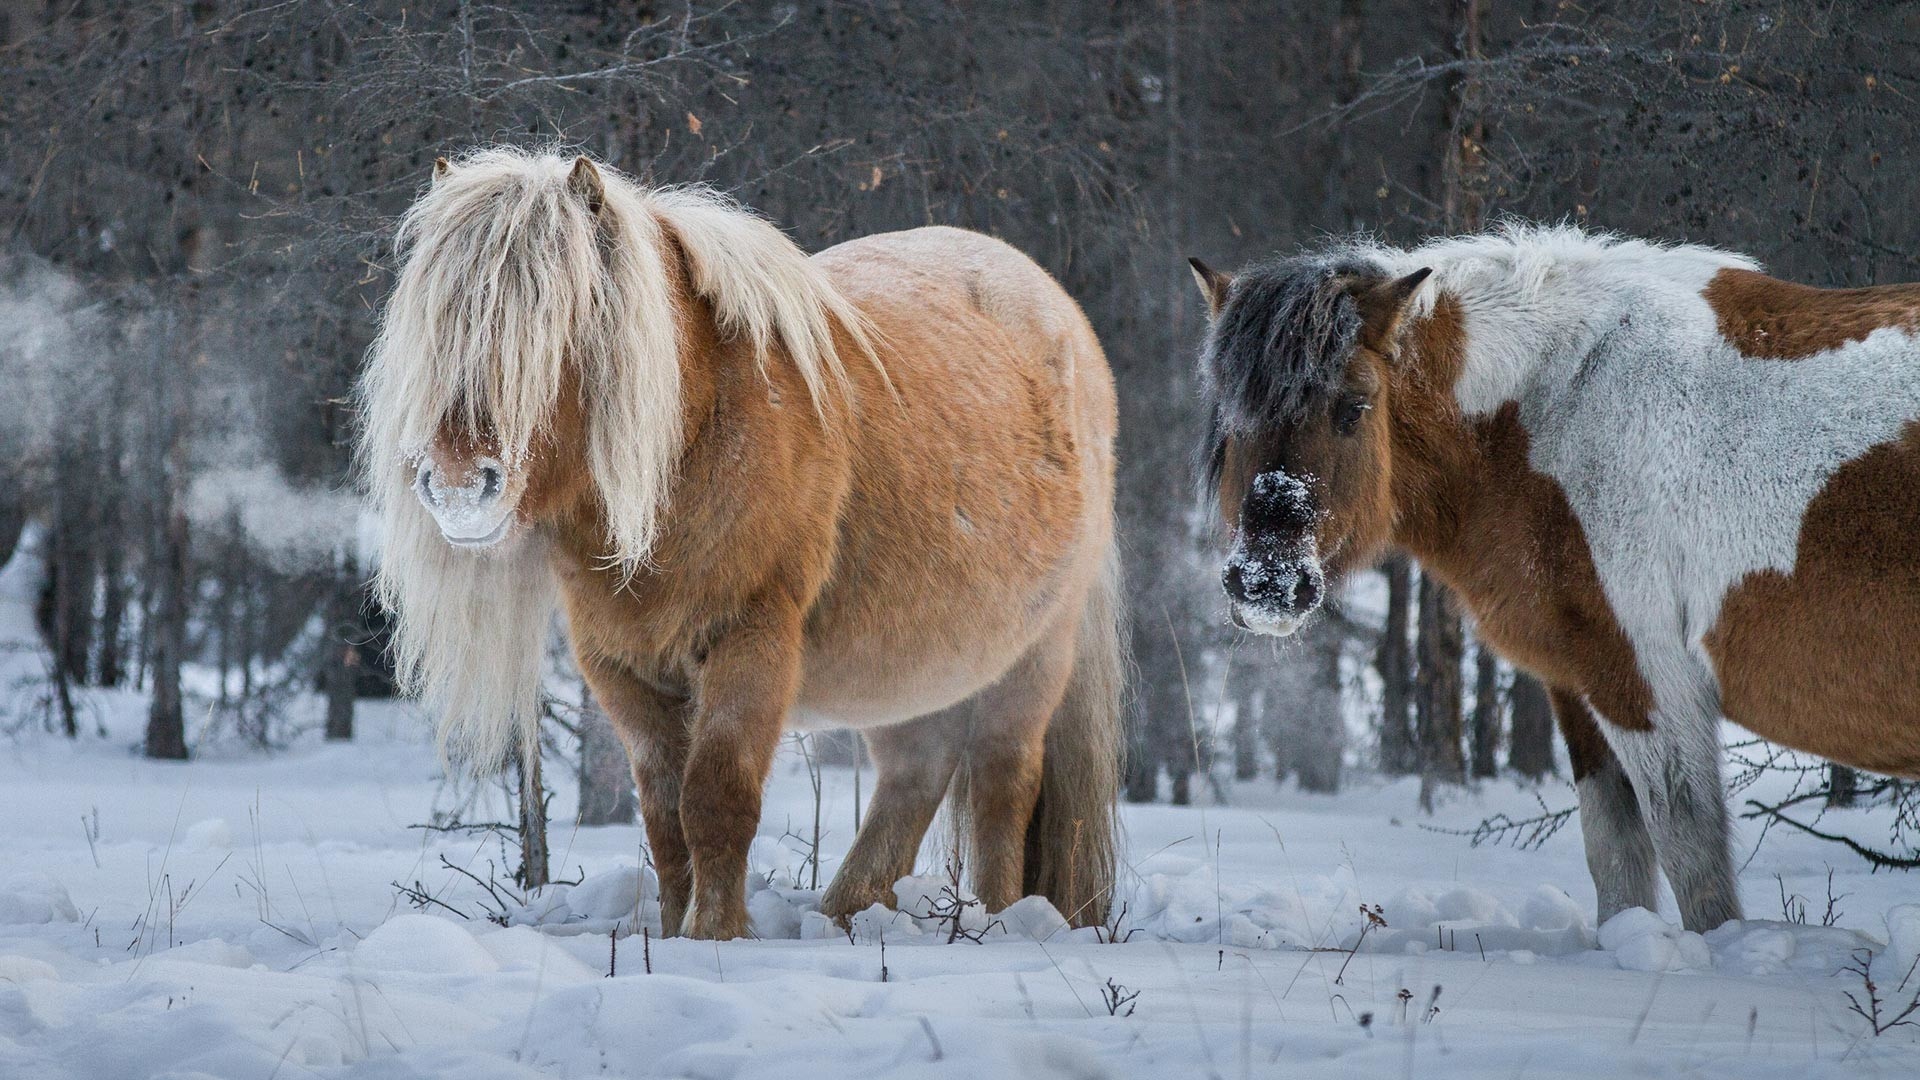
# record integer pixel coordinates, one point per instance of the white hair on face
(506, 272)
(470, 632)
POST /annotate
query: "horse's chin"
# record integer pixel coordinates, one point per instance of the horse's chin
(1270, 623)
(485, 541)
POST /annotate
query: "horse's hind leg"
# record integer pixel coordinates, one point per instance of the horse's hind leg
(1619, 849)
(1675, 768)
(654, 729)
(915, 761)
(1006, 747)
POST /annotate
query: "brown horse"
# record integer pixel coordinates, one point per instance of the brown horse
(871, 488)
(1671, 487)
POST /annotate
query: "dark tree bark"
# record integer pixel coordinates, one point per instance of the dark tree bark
(1530, 753)
(533, 820)
(1394, 661)
(74, 566)
(1486, 713)
(1246, 737)
(1843, 786)
(1437, 687)
(1321, 742)
(113, 579)
(340, 674)
(606, 774)
(13, 517)
(166, 720)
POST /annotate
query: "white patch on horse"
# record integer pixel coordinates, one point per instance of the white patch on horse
(1688, 465)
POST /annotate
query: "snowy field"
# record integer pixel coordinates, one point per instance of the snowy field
(243, 916)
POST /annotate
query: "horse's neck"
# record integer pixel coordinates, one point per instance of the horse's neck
(1528, 334)
(1462, 490)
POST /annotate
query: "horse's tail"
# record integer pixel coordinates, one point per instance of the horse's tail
(1073, 838)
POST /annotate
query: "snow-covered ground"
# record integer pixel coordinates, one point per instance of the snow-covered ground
(243, 915)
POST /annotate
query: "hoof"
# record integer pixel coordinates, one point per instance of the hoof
(717, 926)
(842, 904)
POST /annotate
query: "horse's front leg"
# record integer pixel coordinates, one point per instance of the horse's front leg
(1619, 849)
(653, 726)
(745, 689)
(1675, 768)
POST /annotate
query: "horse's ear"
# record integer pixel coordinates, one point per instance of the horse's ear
(441, 167)
(1384, 305)
(585, 182)
(1213, 285)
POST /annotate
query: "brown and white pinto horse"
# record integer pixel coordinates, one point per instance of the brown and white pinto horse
(871, 488)
(1668, 485)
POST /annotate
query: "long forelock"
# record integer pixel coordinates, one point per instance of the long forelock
(1283, 340)
(1279, 347)
(506, 276)
(506, 273)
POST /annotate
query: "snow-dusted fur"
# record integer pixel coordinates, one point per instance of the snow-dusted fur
(1689, 466)
(503, 273)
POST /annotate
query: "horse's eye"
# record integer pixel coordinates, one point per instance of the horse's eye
(1347, 414)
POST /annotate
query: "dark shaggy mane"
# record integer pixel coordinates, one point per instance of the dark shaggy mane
(1279, 346)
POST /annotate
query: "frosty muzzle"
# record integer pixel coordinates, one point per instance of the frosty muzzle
(1273, 576)
(466, 502)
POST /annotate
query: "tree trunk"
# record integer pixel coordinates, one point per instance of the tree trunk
(1181, 793)
(606, 774)
(1318, 760)
(166, 721)
(1437, 689)
(533, 820)
(1246, 736)
(341, 669)
(1486, 713)
(13, 517)
(1394, 662)
(1843, 786)
(113, 554)
(73, 566)
(113, 577)
(172, 394)
(1530, 753)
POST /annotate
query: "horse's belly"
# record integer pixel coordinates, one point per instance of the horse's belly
(1831, 668)
(897, 669)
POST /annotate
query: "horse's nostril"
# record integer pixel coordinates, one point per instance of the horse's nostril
(1306, 593)
(1234, 581)
(423, 483)
(490, 481)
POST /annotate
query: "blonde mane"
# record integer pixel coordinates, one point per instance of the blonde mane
(507, 273)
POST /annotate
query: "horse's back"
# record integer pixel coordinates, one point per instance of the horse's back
(939, 278)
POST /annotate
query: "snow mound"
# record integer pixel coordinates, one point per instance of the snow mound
(523, 948)
(617, 901)
(1643, 941)
(1552, 909)
(210, 951)
(1034, 918)
(20, 969)
(213, 834)
(425, 945)
(1189, 904)
(1903, 939)
(1469, 920)
(32, 897)
(773, 916)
